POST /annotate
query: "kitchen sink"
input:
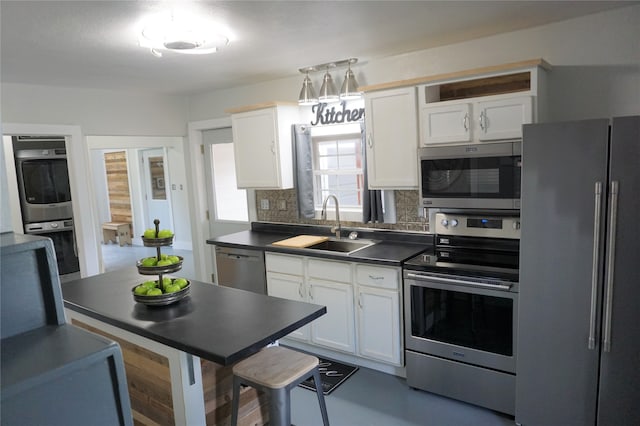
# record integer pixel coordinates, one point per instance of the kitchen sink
(342, 246)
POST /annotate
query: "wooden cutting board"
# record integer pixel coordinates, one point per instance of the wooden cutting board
(301, 241)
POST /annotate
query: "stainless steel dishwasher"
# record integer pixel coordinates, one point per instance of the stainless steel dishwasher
(241, 268)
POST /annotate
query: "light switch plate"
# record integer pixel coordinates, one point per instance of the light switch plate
(264, 204)
(282, 204)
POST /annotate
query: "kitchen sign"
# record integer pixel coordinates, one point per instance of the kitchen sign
(326, 115)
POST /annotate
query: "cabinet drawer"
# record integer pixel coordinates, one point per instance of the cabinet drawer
(376, 276)
(284, 264)
(330, 270)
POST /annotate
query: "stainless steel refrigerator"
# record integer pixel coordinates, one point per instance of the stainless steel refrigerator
(578, 353)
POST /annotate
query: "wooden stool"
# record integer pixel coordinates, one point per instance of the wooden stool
(113, 230)
(277, 370)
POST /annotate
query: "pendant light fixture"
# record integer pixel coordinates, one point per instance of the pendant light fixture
(349, 88)
(307, 94)
(328, 91)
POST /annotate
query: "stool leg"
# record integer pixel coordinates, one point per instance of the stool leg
(235, 401)
(280, 412)
(323, 406)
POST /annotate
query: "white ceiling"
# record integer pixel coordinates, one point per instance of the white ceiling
(93, 44)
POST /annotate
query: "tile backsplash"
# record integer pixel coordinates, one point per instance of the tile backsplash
(283, 208)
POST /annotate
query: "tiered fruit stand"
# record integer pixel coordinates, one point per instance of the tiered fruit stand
(159, 271)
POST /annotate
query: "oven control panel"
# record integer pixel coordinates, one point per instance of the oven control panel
(477, 225)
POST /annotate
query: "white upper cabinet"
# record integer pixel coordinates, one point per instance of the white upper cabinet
(263, 147)
(486, 119)
(445, 123)
(486, 107)
(392, 138)
(503, 118)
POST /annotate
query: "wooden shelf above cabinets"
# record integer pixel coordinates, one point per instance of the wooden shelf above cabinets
(460, 75)
(486, 86)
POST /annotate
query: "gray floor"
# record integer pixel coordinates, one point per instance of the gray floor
(372, 398)
(367, 398)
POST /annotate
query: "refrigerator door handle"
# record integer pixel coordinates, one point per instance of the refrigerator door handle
(611, 255)
(594, 268)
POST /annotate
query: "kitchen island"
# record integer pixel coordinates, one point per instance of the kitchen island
(178, 358)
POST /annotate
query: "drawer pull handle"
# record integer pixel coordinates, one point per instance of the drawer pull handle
(376, 277)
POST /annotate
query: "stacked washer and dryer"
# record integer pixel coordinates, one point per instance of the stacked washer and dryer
(45, 196)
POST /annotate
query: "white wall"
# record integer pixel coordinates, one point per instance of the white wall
(5, 211)
(97, 112)
(595, 59)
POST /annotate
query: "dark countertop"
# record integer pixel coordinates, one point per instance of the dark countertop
(392, 249)
(220, 324)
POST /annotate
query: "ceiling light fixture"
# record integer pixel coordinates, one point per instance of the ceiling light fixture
(328, 91)
(180, 34)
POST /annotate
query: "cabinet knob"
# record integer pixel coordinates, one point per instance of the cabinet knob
(273, 147)
(370, 140)
(465, 122)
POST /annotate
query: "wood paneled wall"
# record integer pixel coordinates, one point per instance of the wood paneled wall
(149, 383)
(118, 185)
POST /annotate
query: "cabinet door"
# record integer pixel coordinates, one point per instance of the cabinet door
(289, 287)
(445, 123)
(392, 139)
(255, 148)
(335, 329)
(503, 119)
(379, 334)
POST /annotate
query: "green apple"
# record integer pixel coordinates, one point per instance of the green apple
(172, 288)
(164, 256)
(141, 289)
(154, 292)
(149, 233)
(149, 261)
(165, 233)
(181, 282)
(149, 284)
(165, 262)
(174, 259)
(166, 282)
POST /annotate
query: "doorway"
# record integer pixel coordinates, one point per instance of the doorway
(228, 206)
(171, 179)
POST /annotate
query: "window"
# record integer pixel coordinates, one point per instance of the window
(230, 202)
(336, 156)
(338, 171)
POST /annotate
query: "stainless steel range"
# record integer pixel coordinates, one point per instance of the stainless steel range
(461, 310)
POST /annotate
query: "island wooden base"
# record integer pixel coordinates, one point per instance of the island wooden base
(150, 388)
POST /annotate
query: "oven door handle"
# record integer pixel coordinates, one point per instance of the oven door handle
(457, 281)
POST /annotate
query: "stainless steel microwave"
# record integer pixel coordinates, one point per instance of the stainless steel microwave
(478, 176)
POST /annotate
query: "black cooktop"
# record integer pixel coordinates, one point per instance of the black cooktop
(429, 261)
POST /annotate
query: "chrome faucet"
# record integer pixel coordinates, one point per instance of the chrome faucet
(337, 228)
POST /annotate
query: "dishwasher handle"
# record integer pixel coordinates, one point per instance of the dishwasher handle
(239, 254)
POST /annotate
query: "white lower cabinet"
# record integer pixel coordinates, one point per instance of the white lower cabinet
(289, 287)
(379, 311)
(336, 329)
(363, 304)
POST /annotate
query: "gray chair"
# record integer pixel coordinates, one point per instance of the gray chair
(276, 370)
